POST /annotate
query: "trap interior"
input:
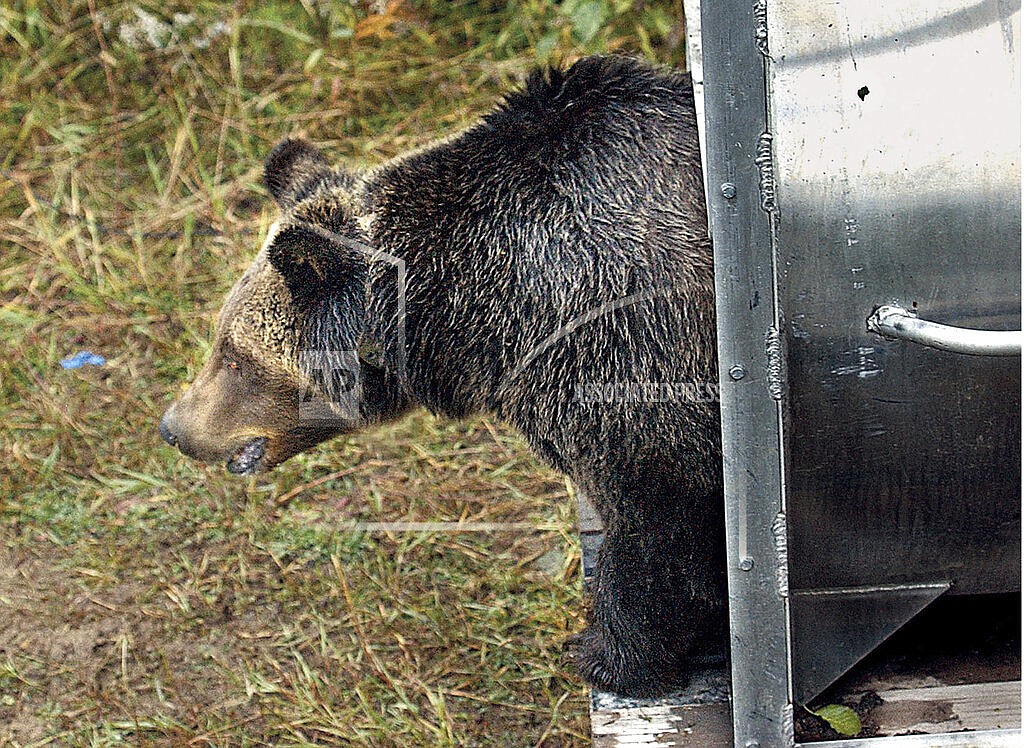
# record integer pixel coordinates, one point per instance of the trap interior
(953, 668)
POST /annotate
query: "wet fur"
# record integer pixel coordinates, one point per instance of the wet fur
(582, 188)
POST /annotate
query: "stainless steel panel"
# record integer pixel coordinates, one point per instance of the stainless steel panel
(885, 171)
(896, 145)
(735, 120)
(834, 629)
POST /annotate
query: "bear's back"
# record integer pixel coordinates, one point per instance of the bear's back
(608, 131)
(580, 190)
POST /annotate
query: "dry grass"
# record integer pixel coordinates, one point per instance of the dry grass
(145, 600)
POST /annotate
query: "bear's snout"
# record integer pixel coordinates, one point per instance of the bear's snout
(244, 450)
(174, 433)
(166, 434)
(181, 431)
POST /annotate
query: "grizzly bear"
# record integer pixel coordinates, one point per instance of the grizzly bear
(549, 265)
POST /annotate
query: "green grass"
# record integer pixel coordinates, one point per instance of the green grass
(147, 600)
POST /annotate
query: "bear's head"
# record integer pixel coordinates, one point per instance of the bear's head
(292, 362)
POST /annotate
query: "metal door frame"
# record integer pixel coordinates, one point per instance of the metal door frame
(740, 196)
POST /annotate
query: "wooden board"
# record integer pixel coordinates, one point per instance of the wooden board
(974, 706)
(691, 726)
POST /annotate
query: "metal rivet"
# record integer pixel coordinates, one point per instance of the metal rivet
(746, 563)
(737, 372)
(728, 190)
(753, 744)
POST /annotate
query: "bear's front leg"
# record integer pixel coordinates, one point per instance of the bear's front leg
(658, 596)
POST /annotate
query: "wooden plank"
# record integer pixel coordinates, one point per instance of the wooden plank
(936, 709)
(689, 726)
(698, 716)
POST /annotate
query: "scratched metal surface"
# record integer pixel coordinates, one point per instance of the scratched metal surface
(896, 144)
(732, 36)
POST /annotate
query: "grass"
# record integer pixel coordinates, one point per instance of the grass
(147, 600)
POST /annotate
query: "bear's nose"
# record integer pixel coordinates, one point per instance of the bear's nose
(166, 434)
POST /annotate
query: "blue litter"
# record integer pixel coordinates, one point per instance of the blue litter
(82, 358)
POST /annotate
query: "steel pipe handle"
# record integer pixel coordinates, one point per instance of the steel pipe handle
(895, 322)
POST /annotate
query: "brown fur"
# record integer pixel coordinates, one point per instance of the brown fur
(561, 241)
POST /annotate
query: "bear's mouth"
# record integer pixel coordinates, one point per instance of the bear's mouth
(246, 460)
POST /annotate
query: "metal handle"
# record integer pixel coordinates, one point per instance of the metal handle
(892, 321)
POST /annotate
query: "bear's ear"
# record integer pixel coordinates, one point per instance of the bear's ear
(290, 167)
(311, 262)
